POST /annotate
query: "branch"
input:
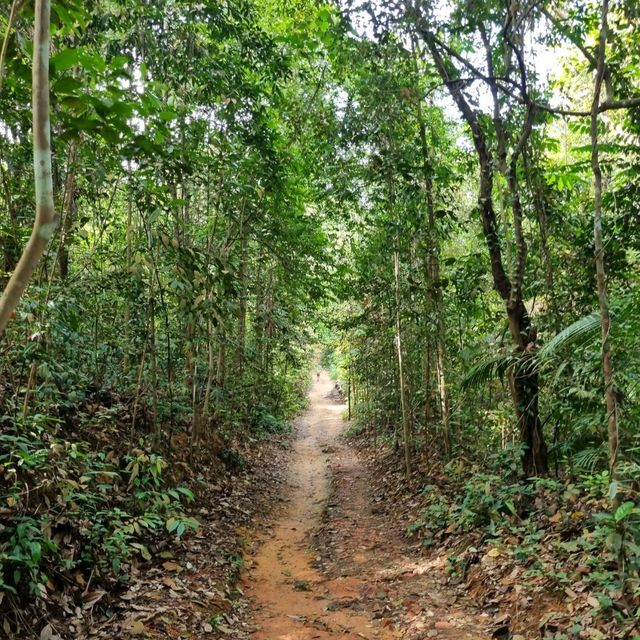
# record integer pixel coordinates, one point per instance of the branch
(501, 280)
(497, 119)
(557, 22)
(627, 103)
(512, 178)
(16, 5)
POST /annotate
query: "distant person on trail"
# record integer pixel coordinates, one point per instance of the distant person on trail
(318, 376)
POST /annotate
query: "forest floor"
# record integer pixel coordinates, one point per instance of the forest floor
(304, 541)
(332, 565)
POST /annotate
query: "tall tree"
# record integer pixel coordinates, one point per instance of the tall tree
(45, 218)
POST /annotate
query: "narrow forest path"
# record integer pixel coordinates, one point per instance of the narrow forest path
(359, 581)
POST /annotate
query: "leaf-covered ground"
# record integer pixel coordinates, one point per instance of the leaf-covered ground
(326, 538)
(529, 564)
(188, 588)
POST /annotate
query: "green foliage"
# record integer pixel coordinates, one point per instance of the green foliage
(101, 510)
(553, 530)
(233, 459)
(264, 423)
(485, 500)
(494, 367)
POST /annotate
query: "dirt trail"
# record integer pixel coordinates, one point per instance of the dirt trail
(367, 588)
(293, 600)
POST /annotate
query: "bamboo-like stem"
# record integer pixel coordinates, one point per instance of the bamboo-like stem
(13, 12)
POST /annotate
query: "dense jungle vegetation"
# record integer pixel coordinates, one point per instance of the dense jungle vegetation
(443, 194)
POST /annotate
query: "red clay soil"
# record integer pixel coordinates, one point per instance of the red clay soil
(331, 566)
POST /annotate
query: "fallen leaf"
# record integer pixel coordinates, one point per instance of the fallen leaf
(135, 627)
(169, 582)
(91, 598)
(443, 624)
(47, 633)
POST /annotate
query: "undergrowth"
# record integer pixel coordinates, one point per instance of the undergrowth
(562, 534)
(73, 517)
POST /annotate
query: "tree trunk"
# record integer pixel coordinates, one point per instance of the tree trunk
(45, 220)
(10, 249)
(428, 385)
(406, 432)
(211, 368)
(68, 211)
(545, 253)
(601, 277)
(525, 388)
(242, 306)
(525, 396)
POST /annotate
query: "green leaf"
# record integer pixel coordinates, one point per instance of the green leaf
(614, 541)
(187, 493)
(66, 59)
(624, 510)
(172, 525)
(167, 115)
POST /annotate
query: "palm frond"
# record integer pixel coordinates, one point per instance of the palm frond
(590, 459)
(487, 369)
(578, 333)
(587, 328)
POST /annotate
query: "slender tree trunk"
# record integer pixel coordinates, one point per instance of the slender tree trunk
(406, 432)
(45, 219)
(221, 365)
(435, 290)
(153, 356)
(211, 368)
(10, 249)
(242, 306)
(13, 12)
(428, 385)
(543, 223)
(138, 390)
(601, 277)
(128, 258)
(68, 208)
